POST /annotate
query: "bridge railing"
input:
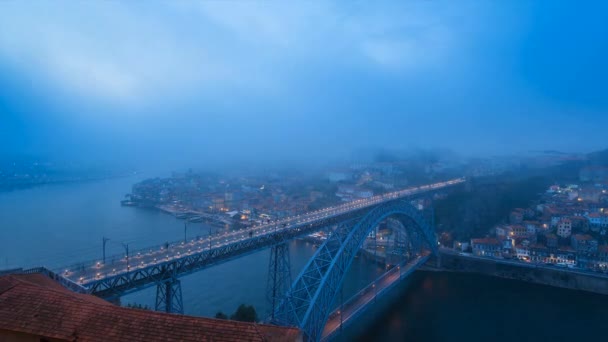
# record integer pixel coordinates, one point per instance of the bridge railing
(135, 253)
(410, 266)
(369, 288)
(58, 278)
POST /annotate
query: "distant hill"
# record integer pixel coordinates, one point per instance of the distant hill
(554, 152)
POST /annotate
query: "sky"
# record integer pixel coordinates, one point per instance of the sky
(189, 83)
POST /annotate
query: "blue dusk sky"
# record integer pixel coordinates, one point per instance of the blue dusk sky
(195, 82)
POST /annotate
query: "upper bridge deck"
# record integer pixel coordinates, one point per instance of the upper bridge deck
(144, 267)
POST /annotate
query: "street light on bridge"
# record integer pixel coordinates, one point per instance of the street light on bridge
(105, 240)
(126, 246)
(185, 229)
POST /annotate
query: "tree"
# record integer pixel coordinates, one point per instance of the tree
(245, 313)
(473, 210)
(221, 315)
(138, 306)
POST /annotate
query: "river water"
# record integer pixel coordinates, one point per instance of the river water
(60, 225)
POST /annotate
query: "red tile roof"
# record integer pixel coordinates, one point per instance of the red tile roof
(34, 304)
(486, 241)
(582, 237)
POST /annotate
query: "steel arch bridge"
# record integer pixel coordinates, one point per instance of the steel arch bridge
(313, 294)
(307, 302)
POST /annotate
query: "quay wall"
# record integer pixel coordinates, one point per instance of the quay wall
(552, 276)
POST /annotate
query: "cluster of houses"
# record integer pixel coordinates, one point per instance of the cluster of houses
(266, 197)
(568, 228)
(241, 198)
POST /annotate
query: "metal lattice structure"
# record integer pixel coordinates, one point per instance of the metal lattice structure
(169, 297)
(311, 297)
(113, 286)
(279, 278)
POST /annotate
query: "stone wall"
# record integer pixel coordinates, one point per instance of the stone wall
(559, 277)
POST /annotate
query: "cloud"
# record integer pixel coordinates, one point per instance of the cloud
(130, 52)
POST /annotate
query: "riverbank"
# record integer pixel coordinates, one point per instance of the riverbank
(189, 215)
(12, 185)
(545, 275)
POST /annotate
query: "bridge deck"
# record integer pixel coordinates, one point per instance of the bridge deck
(357, 303)
(182, 257)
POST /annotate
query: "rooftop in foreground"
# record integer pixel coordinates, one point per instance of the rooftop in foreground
(34, 307)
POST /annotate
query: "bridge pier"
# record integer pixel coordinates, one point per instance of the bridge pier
(279, 280)
(169, 296)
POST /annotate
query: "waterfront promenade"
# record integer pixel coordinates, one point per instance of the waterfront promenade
(526, 264)
(564, 277)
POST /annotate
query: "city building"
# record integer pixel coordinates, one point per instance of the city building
(339, 176)
(532, 227)
(602, 258)
(517, 216)
(552, 240)
(573, 220)
(584, 243)
(522, 252)
(539, 253)
(564, 228)
(597, 221)
(564, 255)
(486, 247)
(579, 223)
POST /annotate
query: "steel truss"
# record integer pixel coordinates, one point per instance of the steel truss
(310, 299)
(140, 278)
(169, 296)
(279, 279)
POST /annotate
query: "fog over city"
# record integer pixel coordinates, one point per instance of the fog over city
(191, 84)
(313, 170)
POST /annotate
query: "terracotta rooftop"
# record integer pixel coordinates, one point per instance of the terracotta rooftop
(34, 304)
(487, 241)
(582, 237)
(538, 246)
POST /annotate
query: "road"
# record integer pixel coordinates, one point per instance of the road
(356, 303)
(89, 273)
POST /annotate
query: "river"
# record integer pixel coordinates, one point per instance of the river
(62, 224)
(443, 306)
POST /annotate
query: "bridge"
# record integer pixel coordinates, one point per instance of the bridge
(309, 302)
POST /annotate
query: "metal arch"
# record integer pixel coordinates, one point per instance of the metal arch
(308, 281)
(310, 299)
